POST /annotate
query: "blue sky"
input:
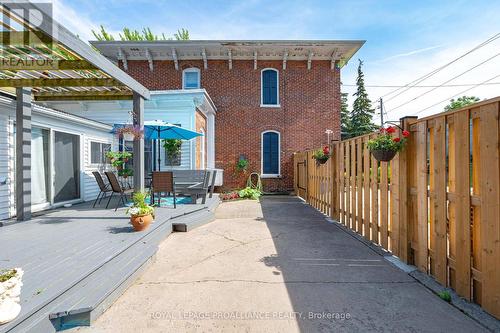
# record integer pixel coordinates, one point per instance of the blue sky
(405, 39)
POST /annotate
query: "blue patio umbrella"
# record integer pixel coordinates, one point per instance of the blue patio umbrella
(161, 130)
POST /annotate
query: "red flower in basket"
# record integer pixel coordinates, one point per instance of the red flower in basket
(382, 130)
(396, 139)
(406, 134)
(390, 129)
(326, 150)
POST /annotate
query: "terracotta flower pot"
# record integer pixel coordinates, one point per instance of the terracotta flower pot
(384, 155)
(141, 222)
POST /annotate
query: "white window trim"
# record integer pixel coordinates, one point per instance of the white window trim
(191, 70)
(262, 105)
(89, 143)
(269, 175)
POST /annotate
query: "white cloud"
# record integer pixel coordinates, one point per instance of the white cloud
(77, 22)
(402, 70)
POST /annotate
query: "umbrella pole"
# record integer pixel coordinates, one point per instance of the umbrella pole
(159, 150)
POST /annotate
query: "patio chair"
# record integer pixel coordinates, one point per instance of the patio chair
(200, 190)
(162, 182)
(117, 188)
(103, 188)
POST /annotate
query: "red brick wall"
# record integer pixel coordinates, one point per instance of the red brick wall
(310, 104)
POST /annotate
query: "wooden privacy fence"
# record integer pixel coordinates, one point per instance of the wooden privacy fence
(436, 205)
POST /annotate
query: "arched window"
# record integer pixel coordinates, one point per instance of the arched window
(269, 87)
(191, 78)
(270, 154)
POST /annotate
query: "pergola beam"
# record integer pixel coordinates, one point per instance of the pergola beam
(23, 38)
(18, 64)
(23, 153)
(105, 95)
(94, 82)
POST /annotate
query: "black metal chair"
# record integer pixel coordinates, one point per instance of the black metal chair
(103, 188)
(117, 188)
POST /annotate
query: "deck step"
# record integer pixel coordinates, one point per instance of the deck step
(86, 300)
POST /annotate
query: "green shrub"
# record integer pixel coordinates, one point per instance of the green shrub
(249, 193)
(445, 296)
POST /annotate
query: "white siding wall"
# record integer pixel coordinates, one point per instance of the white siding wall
(5, 166)
(178, 111)
(55, 121)
(89, 185)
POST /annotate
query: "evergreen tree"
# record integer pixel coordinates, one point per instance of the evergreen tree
(362, 111)
(345, 126)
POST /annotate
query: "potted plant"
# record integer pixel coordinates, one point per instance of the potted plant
(322, 155)
(172, 149)
(118, 158)
(125, 173)
(141, 214)
(129, 132)
(10, 290)
(242, 164)
(384, 147)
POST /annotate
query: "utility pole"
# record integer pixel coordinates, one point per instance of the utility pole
(381, 112)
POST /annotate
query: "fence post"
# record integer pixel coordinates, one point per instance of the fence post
(402, 197)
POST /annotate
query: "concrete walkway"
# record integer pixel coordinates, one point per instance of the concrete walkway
(277, 266)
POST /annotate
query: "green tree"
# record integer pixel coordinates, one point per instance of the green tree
(360, 119)
(461, 102)
(146, 34)
(345, 125)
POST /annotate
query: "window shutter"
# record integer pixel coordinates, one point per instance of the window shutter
(270, 153)
(270, 87)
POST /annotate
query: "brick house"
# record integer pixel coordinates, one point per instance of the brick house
(272, 97)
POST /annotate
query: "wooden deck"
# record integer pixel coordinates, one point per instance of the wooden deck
(76, 258)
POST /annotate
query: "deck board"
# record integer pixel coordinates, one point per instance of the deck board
(61, 247)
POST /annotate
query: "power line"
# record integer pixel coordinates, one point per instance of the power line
(460, 93)
(426, 76)
(423, 86)
(453, 78)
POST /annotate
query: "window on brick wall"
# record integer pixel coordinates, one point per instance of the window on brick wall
(191, 78)
(270, 154)
(269, 87)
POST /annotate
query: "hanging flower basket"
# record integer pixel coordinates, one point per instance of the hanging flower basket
(322, 155)
(384, 155)
(384, 147)
(130, 133)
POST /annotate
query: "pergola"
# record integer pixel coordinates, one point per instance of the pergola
(40, 60)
